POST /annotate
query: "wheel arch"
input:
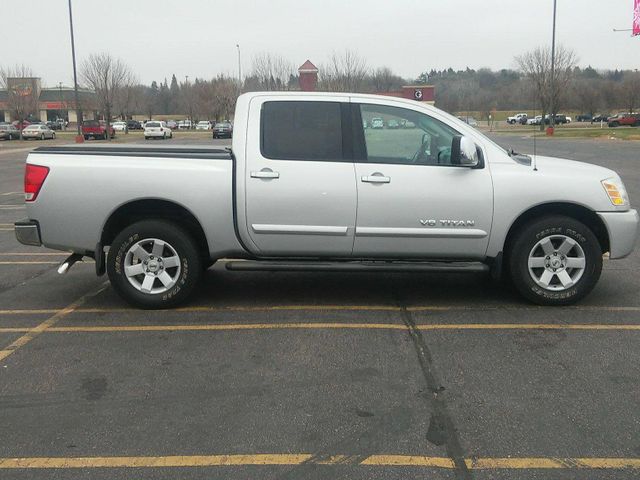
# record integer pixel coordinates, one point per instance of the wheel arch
(154, 208)
(573, 210)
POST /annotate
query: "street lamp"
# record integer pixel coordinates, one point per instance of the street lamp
(79, 137)
(553, 69)
(239, 66)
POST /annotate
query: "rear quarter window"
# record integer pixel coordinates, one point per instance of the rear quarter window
(299, 130)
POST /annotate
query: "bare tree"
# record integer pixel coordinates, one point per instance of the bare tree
(345, 72)
(22, 98)
(549, 92)
(384, 80)
(270, 72)
(106, 76)
(630, 90)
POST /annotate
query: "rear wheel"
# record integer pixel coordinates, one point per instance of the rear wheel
(154, 264)
(42, 136)
(555, 261)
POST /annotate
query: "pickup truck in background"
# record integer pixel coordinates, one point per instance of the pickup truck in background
(624, 119)
(96, 129)
(307, 187)
(520, 118)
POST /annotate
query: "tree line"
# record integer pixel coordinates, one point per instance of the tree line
(529, 86)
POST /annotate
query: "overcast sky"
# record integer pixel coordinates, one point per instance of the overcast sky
(199, 37)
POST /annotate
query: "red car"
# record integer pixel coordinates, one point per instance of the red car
(630, 119)
(21, 125)
(97, 130)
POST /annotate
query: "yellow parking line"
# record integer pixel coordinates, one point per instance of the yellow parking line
(337, 326)
(34, 332)
(33, 254)
(482, 463)
(320, 308)
(35, 262)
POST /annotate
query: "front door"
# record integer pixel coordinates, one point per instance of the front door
(412, 201)
(299, 185)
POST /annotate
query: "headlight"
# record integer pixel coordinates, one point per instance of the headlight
(616, 191)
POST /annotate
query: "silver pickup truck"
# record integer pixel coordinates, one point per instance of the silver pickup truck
(310, 185)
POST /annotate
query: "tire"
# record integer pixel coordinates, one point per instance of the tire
(146, 138)
(614, 124)
(572, 242)
(53, 136)
(86, 137)
(171, 135)
(184, 276)
(164, 136)
(42, 136)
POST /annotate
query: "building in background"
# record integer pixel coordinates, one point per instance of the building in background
(308, 81)
(25, 97)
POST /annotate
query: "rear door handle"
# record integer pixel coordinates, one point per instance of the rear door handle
(265, 173)
(376, 178)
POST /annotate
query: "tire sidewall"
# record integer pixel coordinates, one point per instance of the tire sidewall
(179, 239)
(528, 237)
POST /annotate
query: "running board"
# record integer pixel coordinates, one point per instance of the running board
(300, 266)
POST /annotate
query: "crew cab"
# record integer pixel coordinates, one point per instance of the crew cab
(96, 129)
(306, 187)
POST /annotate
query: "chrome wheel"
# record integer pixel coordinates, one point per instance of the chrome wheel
(152, 266)
(556, 262)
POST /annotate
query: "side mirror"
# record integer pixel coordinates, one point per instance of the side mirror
(464, 152)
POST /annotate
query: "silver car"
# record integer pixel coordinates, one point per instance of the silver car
(38, 132)
(9, 132)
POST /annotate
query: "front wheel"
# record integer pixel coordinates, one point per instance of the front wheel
(154, 264)
(555, 261)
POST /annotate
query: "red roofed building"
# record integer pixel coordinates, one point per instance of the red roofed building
(308, 76)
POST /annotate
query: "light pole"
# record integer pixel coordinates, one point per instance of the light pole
(239, 66)
(79, 138)
(552, 119)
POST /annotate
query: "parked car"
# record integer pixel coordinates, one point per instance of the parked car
(584, 117)
(469, 121)
(625, 119)
(184, 125)
(601, 117)
(120, 126)
(172, 124)
(38, 132)
(293, 195)
(9, 132)
(53, 125)
(393, 123)
(223, 130)
(537, 120)
(134, 125)
(204, 125)
(377, 123)
(156, 129)
(517, 118)
(558, 119)
(21, 125)
(97, 130)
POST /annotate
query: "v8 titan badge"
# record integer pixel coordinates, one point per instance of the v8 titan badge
(417, 94)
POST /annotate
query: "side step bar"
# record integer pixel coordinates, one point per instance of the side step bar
(300, 266)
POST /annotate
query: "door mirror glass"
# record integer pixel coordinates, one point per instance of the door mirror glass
(464, 152)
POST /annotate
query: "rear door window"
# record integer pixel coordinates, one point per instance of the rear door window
(301, 130)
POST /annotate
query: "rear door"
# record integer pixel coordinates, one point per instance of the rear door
(412, 201)
(300, 193)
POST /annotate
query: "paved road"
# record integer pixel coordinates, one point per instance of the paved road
(330, 375)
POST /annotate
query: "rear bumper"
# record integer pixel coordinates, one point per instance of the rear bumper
(623, 231)
(28, 232)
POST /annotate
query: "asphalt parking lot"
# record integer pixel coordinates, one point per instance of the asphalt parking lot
(317, 375)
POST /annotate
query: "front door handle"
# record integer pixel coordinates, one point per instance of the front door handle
(376, 178)
(265, 173)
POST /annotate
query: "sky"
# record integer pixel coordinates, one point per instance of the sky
(198, 38)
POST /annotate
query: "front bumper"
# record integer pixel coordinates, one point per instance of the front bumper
(28, 232)
(623, 230)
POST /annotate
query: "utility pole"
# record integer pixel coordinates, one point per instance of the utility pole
(239, 66)
(552, 117)
(79, 138)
